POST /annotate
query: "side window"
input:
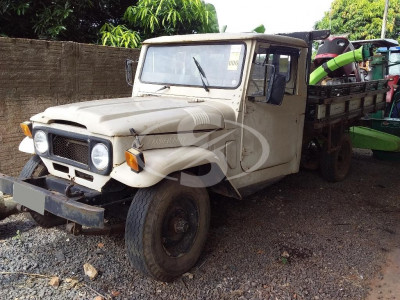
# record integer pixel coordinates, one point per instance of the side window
(257, 84)
(282, 62)
(273, 67)
(285, 62)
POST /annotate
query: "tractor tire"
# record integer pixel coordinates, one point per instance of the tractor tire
(166, 229)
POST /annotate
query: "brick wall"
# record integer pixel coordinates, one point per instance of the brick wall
(36, 74)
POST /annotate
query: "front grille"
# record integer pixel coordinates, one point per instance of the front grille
(69, 148)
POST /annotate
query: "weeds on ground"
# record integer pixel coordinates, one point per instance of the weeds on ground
(18, 236)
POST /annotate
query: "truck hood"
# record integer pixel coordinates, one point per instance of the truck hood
(146, 115)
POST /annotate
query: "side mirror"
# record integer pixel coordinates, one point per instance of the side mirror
(129, 71)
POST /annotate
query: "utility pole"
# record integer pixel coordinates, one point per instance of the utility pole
(383, 32)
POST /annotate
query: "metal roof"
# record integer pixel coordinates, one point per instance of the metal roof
(377, 42)
(215, 37)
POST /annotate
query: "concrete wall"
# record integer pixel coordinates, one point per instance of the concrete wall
(37, 74)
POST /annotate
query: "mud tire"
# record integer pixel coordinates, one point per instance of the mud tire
(153, 247)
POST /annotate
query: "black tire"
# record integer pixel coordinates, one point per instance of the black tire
(335, 166)
(166, 229)
(35, 168)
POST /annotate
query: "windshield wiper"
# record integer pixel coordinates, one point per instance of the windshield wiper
(202, 74)
(162, 88)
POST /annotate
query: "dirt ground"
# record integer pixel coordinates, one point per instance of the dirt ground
(301, 238)
(387, 285)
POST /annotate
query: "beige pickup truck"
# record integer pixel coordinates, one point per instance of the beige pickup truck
(227, 113)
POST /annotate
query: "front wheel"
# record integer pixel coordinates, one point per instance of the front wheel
(166, 229)
(336, 165)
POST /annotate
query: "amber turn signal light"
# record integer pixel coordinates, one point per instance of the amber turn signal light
(26, 128)
(134, 159)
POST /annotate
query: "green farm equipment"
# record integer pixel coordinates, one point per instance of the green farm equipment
(381, 130)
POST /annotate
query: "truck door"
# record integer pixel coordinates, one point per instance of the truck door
(272, 123)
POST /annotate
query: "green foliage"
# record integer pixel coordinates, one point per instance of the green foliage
(119, 36)
(45, 21)
(150, 18)
(259, 29)
(85, 23)
(17, 236)
(74, 20)
(50, 22)
(82, 20)
(361, 19)
(168, 17)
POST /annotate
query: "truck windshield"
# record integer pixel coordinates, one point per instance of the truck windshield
(220, 65)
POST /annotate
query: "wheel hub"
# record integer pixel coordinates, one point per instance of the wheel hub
(181, 225)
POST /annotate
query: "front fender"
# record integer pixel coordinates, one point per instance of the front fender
(27, 146)
(159, 163)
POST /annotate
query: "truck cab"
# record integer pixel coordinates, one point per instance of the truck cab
(256, 86)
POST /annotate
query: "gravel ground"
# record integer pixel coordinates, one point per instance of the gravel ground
(302, 238)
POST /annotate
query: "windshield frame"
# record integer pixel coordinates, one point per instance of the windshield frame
(227, 42)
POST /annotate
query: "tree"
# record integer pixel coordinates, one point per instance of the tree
(151, 18)
(84, 23)
(119, 36)
(362, 19)
(74, 20)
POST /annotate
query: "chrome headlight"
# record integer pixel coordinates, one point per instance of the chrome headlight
(41, 142)
(100, 156)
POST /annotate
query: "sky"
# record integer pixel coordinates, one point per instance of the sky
(277, 15)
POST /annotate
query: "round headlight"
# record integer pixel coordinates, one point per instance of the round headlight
(100, 156)
(40, 141)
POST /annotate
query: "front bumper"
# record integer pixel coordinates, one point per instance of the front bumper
(37, 195)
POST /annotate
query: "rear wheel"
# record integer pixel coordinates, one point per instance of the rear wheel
(166, 229)
(336, 165)
(32, 169)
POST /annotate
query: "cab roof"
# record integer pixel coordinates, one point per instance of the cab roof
(215, 37)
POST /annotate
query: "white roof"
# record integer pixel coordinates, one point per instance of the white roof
(206, 37)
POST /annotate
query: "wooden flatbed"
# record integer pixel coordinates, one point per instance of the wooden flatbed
(331, 104)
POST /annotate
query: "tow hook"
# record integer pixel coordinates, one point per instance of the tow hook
(75, 229)
(70, 194)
